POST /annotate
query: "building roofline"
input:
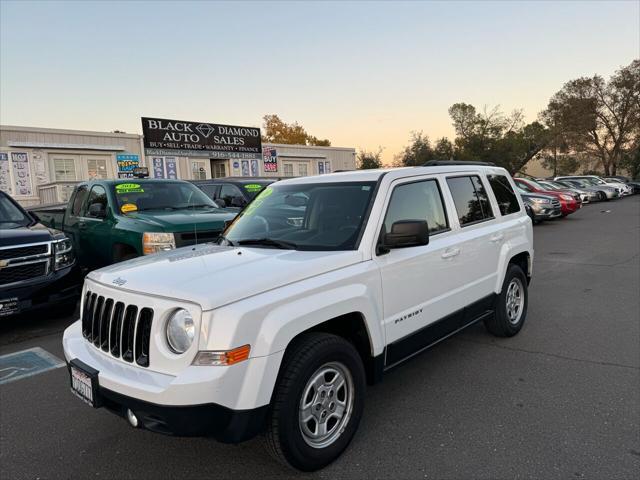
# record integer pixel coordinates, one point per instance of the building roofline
(19, 128)
(307, 146)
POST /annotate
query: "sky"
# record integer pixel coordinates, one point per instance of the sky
(363, 74)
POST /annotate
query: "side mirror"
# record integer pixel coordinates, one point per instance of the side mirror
(405, 233)
(222, 203)
(97, 210)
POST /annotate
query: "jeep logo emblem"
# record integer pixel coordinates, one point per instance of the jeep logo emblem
(119, 281)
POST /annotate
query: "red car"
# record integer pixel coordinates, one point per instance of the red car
(568, 203)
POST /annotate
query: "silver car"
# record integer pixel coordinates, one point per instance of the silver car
(604, 192)
(597, 181)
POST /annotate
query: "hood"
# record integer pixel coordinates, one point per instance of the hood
(538, 195)
(37, 233)
(213, 276)
(183, 220)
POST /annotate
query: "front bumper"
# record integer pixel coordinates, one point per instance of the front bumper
(227, 403)
(545, 211)
(58, 287)
(221, 423)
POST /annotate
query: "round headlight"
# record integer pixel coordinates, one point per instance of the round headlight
(180, 331)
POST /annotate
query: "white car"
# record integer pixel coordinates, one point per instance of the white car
(320, 286)
(622, 188)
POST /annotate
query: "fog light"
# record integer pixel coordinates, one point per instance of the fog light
(133, 420)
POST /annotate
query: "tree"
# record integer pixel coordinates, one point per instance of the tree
(631, 162)
(598, 117)
(443, 149)
(491, 136)
(416, 153)
(367, 160)
(277, 131)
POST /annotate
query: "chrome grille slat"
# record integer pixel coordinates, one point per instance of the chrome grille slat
(97, 317)
(123, 331)
(105, 324)
(115, 334)
(128, 332)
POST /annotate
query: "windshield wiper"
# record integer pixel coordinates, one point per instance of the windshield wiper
(269, 242)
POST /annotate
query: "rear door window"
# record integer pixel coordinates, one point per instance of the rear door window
(470, 198)
(78, 200)
(506, 197)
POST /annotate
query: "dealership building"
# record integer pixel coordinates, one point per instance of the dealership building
(42, 165)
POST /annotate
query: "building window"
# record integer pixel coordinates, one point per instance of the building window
(97, 168)
(64, 169)
(287, 168)
(302, 169)
(198, 172)
(218, 169)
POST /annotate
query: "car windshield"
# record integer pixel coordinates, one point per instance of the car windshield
(537, 185)
(597, 181)
(556, 185)
(305, 216)
(578, 182)
(549, 186)
(12, 216)
(138, 196)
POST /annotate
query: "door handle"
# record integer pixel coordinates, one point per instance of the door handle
(498, 237)
(82, 225)
(450, 253)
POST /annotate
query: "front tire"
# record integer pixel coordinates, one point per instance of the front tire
(317, 402)
(511, 304)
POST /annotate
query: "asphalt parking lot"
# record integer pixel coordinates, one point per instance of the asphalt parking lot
(560, 400)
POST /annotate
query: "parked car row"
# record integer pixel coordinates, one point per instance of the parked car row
(547, 199)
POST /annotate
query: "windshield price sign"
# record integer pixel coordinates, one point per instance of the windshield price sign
(181, 138)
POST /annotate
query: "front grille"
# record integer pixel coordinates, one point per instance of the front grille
(18, 273)
(19, 252)
(191, 238)
(123, 331)
(555, 203)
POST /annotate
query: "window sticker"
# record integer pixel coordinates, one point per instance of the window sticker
(128, 207)
(129, 188)
(252, 187)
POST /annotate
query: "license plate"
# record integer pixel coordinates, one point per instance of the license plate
(84, 382)
(9, 306)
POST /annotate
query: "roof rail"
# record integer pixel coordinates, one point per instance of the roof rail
(446, 163)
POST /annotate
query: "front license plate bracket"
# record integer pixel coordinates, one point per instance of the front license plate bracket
(84, 382)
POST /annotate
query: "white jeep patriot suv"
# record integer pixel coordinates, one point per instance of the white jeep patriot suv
(320, 285)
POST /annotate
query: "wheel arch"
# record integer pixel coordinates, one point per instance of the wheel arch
(521, 257)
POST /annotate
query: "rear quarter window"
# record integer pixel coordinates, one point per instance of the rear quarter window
(505, 196)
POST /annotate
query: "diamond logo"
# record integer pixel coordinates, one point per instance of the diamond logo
(205, 129)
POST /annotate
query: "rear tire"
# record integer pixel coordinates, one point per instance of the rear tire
(306, 398)
(511, 304)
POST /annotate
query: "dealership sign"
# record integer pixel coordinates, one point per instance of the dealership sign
(179, 138)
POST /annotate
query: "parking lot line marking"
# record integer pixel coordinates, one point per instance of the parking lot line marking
(27, 363)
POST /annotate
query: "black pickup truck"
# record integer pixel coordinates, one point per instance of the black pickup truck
(37, 264)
